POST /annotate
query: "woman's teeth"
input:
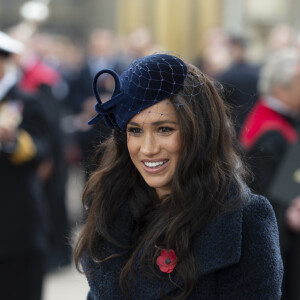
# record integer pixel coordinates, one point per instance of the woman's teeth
(155, 164)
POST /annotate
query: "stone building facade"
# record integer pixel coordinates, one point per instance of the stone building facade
(179, 25)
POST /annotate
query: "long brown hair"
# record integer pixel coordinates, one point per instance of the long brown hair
(208, 170)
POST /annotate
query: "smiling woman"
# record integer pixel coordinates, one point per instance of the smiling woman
(154, 145)
(168, 213)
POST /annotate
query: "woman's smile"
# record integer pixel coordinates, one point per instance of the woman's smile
(155, 166)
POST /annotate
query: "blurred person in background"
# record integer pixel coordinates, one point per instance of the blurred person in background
(67, 58)
(281, 35)
(100, 53)
(240, 81)
(140, 43)
(24, 215)
(268, 131)
(41, 80)
(215, 58)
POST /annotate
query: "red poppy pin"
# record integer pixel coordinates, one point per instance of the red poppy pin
(167, 260)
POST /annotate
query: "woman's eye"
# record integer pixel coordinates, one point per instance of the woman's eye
(134, 131)
(165, 129)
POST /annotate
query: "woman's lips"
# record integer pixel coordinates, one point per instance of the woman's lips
(155, 166)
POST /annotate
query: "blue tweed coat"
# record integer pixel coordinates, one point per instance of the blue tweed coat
(238, 253)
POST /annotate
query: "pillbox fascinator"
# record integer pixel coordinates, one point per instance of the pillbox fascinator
(145, 82)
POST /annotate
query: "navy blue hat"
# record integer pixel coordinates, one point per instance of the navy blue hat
(145, 82)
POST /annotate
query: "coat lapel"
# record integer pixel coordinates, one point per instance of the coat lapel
(217, 247)
(220, 244)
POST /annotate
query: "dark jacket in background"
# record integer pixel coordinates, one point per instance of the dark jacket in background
(23, 209)
(240, 84)
(266, 136)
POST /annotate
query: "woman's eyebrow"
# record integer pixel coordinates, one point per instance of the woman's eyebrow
(133, 124)
(163, 122)
(154, 123)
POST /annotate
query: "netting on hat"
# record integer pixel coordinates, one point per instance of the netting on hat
(145, 82)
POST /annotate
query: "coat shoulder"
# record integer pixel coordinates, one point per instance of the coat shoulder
(259, 272)
(257, 210)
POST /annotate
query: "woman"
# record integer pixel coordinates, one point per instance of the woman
(168, 215)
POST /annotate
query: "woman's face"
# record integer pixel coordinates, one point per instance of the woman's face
(154, 144)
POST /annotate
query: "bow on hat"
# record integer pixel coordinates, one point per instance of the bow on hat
(145, 82)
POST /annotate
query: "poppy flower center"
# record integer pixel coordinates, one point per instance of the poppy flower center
(167, 261)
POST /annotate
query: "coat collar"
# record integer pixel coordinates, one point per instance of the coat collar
(217, 247)
(220, 243)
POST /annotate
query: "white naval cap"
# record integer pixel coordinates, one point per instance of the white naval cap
(10, 45)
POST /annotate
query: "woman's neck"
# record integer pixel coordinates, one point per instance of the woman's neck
(161, 192)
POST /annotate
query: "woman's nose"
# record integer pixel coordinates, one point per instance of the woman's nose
(150, 145)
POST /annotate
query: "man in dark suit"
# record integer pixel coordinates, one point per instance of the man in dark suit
(240, 82)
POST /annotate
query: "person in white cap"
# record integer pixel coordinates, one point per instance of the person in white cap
(23, 213)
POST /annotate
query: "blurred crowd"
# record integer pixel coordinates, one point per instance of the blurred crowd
(46, 100)
(264, 102)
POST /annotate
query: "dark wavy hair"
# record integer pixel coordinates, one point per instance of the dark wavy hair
(208, 171)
